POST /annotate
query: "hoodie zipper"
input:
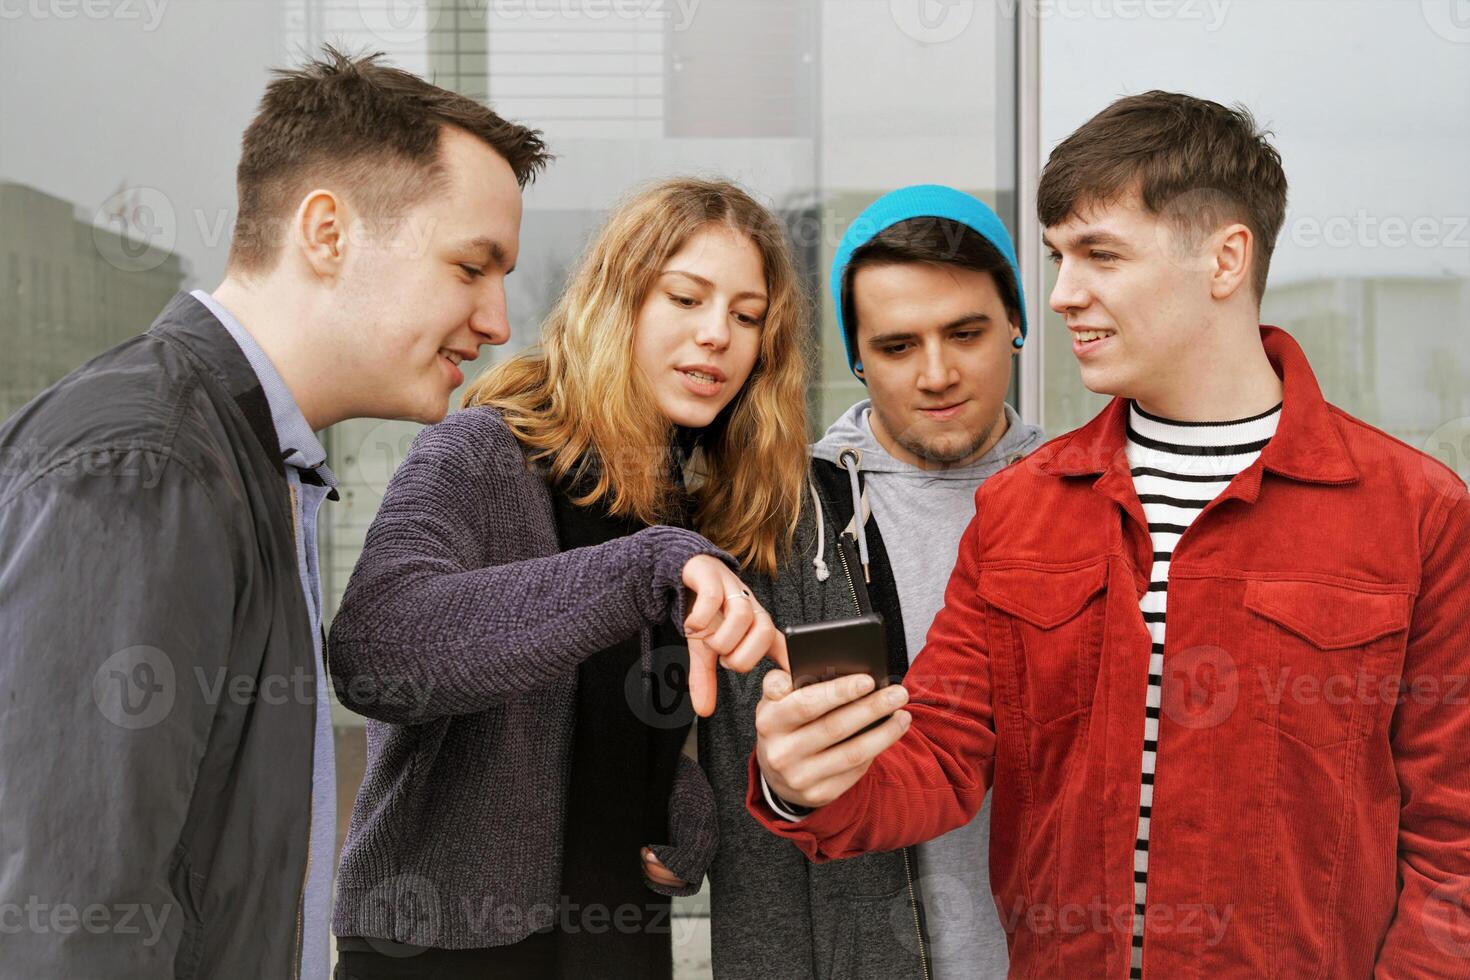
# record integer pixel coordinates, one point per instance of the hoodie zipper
(908, 874)
(842, 554)
(914, 907)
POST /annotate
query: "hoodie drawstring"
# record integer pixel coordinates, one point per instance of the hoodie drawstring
(858, 517)
(818, 562)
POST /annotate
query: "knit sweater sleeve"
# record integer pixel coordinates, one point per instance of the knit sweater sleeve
(437, 621)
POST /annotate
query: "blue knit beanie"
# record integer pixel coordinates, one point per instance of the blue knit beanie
(921, 201)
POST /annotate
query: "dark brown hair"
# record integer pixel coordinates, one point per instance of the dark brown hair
(939, 241)
(364, 126)
(1196, 162)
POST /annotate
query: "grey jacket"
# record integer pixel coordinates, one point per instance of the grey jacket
(154, 811)
(459, 638)
(772, 913)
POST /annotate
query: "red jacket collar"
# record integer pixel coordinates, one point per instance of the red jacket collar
(1306, 447)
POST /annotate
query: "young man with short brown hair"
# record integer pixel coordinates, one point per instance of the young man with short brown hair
(168, 769)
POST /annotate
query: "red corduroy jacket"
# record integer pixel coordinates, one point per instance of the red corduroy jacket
(1311, 813)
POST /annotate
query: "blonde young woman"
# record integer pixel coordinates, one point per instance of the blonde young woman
(512, 629)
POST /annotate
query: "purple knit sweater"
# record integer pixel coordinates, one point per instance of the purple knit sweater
(459, 638)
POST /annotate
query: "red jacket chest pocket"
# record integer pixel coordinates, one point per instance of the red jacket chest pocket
(1325, 653)
(1046, 631)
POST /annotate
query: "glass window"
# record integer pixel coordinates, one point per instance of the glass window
(1370, 106)
(817, 105)
(122, 124)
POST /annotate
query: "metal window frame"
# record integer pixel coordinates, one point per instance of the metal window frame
(1029, 251)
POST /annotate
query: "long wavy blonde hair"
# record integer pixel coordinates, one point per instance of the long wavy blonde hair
(581, 404)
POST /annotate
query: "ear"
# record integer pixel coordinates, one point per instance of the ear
(320, 232)
(1230, 267)
(1015, 332)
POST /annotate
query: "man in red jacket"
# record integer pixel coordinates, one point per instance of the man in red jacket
(1211, 651)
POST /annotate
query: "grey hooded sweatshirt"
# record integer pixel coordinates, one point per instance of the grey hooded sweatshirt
(923, 513)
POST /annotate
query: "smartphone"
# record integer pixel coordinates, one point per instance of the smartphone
(824, 651)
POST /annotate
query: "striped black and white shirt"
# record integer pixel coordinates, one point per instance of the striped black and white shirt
(1178, 468)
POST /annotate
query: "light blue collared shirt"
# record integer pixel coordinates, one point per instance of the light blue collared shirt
(304, 453)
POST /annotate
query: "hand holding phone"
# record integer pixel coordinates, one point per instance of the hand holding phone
(814, 742)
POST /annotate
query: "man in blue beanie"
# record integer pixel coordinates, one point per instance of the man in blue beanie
(928, 299)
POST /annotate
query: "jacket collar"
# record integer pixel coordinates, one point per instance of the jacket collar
(1307, 446)
(299, 445)
(187, 323)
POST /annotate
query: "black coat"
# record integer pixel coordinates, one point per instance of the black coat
(148, 583)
